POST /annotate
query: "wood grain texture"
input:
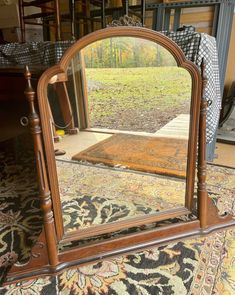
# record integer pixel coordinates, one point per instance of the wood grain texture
(44, 192)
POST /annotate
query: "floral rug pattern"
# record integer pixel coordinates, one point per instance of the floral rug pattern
(121, 194)
(20, 217)
(199, 266)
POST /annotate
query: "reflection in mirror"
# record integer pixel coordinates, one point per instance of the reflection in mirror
(130, 103)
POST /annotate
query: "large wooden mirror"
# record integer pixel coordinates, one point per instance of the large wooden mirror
(125, 104)
(116, 145)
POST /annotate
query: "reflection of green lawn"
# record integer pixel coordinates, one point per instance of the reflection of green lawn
(136, 89)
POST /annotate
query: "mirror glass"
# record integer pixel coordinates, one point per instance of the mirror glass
(122, 120)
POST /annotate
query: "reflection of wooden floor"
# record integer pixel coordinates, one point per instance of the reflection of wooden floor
(178, 127)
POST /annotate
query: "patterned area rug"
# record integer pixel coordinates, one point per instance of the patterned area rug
(161, 192)
(20, 217)
(200, 266)
(140, 273)
(166, 156)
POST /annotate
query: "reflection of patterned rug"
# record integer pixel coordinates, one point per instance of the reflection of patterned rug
(160, 192)
(150, 154)
(86, 211)
(123, 194)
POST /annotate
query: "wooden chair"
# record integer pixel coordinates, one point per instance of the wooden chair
(49, 15)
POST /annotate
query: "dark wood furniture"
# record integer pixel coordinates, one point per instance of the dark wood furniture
(46, 256)
(14, 75)
(13, 106)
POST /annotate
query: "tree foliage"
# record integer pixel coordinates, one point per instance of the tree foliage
(126, 52)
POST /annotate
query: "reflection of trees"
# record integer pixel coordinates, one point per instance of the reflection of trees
(124, 52)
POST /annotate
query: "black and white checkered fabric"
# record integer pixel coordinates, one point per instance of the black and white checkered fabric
(197, 47)
(212, 93)
(188, 40)
(33, 53)
(201, 48)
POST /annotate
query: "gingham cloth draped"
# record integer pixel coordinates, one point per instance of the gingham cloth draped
(198, 48)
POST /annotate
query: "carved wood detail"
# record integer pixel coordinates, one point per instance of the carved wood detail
(38, 260)
(125, 21)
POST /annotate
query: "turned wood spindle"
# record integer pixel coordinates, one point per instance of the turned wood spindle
(202, 191)
(46, 203)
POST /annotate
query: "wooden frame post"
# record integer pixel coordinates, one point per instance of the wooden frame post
(201, 168)
(45, 198)
(207, 211)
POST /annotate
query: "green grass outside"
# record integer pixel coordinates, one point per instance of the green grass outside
(142, 89)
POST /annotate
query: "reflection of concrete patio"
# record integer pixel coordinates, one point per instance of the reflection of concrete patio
(178, 127)
(76, 143)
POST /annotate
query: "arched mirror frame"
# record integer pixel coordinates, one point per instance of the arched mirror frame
(60, 71)
(46, 258)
